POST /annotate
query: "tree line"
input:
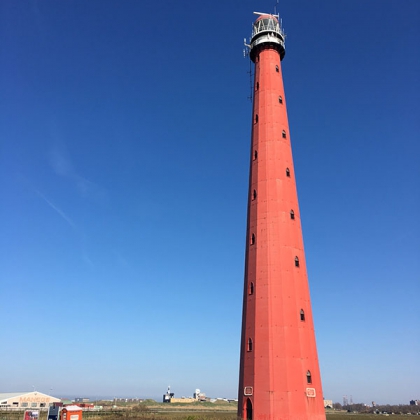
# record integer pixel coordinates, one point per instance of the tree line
(363, 408)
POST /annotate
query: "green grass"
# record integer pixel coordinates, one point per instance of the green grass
(364, 416)
(165, 412)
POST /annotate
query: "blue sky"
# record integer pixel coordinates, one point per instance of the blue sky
(124, 135)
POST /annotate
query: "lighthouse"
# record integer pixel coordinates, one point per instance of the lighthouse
(279, 371)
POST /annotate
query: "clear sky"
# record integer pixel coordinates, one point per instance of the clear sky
(125, 130)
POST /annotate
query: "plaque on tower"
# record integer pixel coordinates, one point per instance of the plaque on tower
(310, 392)
(248, 390)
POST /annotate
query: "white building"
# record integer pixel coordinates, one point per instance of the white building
(328, 404)
(26, 400)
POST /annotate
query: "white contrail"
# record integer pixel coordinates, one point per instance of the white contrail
(59, 211)
(77, 231)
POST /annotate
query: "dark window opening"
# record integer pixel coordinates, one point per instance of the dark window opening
(283, 134)
(251, 288)
(256, 118)
(296, 262)
(249, 347)
(255, 155)
(277, 69)
(292, 214)
(257, 86)
(252, 239)
(254, 195)
(280, 100)
(302, 315)
(288, 172)
(308, 377)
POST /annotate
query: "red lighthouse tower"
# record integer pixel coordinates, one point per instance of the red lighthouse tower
(279, 372)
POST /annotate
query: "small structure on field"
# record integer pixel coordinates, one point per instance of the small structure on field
(169, 397)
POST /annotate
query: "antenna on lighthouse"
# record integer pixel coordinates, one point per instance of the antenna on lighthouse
(250, 81)
(246, 53)
(265, 14)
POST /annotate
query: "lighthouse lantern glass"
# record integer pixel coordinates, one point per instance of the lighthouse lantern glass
(266, 24)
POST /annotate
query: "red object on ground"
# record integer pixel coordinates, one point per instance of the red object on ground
(71, 412)
(31, 415)
(279, 370)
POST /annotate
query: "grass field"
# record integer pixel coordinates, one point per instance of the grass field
(363, 416)
(166, 412)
